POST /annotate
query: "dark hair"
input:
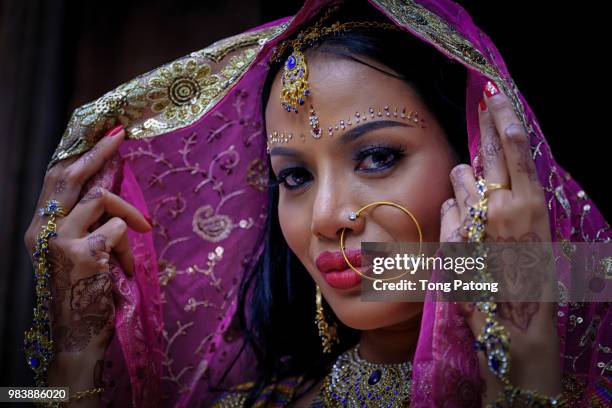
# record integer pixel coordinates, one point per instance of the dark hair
(276, 303)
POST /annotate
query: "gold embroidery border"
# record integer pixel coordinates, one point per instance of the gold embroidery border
(214, 70)
(133, 104)
(437, 31)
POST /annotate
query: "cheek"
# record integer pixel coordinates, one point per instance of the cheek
(293, 221)
(426, 186)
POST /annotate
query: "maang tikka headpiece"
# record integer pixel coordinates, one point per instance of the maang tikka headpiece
(295, 87)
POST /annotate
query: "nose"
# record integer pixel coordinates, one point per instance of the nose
(331, 208)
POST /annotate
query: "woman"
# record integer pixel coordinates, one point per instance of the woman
(223, 289)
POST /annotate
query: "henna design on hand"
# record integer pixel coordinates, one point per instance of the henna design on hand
(92, 194)
(459, 185)
(520, 272)
(455, 236)
(447, 205)
(491, 150)
(525, 163)
(87, 290)
(97, 243)
(72, 339)
(91, 307)
(91, 312)
(519, 313)
(89, 155)
(60, 269)
(60, 186)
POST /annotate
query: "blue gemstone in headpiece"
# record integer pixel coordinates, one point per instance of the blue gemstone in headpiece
(291, 61)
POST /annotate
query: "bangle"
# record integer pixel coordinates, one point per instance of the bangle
(38, 345)
(494, 340)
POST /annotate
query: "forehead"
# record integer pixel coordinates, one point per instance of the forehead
(339, 87)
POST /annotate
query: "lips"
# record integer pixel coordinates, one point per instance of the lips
(336, 272)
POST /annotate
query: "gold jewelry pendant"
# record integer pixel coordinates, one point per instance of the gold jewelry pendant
(295, 82)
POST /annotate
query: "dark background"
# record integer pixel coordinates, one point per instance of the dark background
(56, 55)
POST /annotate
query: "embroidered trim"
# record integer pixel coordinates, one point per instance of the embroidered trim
(170, 97)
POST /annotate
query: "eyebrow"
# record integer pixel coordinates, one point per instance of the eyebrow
(350, 136)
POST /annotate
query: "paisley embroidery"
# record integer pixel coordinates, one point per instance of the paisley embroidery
(213, 228)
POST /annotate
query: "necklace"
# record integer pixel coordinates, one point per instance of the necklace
(354, 382)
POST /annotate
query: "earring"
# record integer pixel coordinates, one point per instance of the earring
(327, 332)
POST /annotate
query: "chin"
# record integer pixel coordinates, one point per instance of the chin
(361, 315)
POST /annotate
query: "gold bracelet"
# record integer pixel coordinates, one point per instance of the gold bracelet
(74, 397)
(38, 345)
(494, 340)
(511, 394)
(85, 394)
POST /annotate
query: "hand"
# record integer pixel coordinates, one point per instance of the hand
(515, 214)
(82, 310)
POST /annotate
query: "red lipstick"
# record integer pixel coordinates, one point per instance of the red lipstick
(336, 272)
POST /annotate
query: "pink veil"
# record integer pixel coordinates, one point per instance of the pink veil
(195, 161)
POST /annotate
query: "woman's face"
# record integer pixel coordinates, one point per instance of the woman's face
(324, 179)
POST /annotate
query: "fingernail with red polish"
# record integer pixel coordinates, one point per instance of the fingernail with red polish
(149, 220)
(491, 89)
(483, 105)
(114, 131)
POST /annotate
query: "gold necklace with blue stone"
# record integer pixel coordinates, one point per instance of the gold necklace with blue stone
(355, 382)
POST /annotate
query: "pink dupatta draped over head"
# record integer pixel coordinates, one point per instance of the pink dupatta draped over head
(195, 161)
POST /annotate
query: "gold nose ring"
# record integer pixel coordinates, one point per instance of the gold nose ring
(353, 215)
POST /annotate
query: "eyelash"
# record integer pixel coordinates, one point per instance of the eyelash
(397, 152)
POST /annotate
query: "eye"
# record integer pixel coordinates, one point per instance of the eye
(378, 157)
(292, 178)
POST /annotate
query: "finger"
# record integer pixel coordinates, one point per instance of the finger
(464, 185)
(55, 182)
(450, 221)
(494, 162)
(92, 160)
(114, 236)
(102, 261)
(53, 187)
(94, 204)
(515, 141)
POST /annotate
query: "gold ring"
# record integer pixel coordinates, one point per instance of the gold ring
(354, 215)
(52, 208)
(496, 186)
